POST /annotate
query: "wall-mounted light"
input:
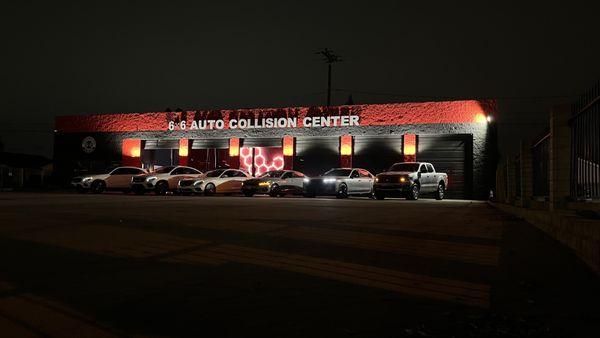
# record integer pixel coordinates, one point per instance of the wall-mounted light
(410, 144)
(183, 147)
(489, 119)
(131, 147)
(481, 118)
(288, 146)
(346, 145)
(234, 147)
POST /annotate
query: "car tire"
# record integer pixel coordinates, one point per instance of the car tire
(274, 190)
(98, 187)
(342, 191)
(210, 189)
(440, 192)
(161, 188)
(413, 195)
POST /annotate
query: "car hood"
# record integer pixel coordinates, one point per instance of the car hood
(396, 173)
(94, 177)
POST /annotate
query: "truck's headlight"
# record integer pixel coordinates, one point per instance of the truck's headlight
(402, 179)
(376, 179)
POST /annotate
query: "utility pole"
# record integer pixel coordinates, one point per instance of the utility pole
(329, 57)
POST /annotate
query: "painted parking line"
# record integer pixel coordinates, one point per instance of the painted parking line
(463, 252)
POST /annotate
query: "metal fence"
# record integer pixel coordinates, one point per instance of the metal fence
(585, 146)
(540, 163)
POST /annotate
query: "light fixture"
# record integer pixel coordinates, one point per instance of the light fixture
(346, 145)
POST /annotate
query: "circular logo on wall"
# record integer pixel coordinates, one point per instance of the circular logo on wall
(88, 145)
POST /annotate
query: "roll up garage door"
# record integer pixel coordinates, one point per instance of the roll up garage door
(160, 153)
(208, 154)
(377, 153)
(315, 155)
(452, 154)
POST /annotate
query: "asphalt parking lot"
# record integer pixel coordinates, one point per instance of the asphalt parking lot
(124, 265)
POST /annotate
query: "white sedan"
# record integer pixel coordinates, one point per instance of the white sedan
(219, 181)
(341, 183)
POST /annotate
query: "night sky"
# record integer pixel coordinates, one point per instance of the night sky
(65, 59)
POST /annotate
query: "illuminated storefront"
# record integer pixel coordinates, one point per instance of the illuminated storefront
(456, 136)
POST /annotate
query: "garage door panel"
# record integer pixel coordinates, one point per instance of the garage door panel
(449, 154)
(315, 155)
(377, 153)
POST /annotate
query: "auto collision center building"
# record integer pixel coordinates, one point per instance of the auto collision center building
(455, 136)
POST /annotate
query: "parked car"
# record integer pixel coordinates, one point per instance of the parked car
(162, 180)
(340, 182)
(275, 183)
(410, 180)
(116, 179)
(219, 181)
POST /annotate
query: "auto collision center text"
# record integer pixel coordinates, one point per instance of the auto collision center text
(268, 122)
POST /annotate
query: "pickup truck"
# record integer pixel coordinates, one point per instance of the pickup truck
(410, 179)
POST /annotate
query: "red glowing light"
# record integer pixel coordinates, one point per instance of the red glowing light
(183, 147)
(410, 144)
(234, 146)
(288, 146)
(131, 147)
(346, 145)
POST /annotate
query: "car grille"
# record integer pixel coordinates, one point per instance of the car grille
(186, 183)
(138, 179)
(388, 179)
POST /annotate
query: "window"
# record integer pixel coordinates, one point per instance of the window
(191, 171)
(120, 171)
(178, 171)
(338, 172)
(364, 173)
(355, 174)
(286, 175)
(430, 168)
(215, 173)
(241, 174)
(409, 167)
(423, 169)
(297, 174)
(272, 174)
(230, 173)
(164, 170)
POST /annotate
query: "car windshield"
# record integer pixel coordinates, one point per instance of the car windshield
(164, 170)
(338, 172)
(272, 174)
(215, 173)
(410, 167)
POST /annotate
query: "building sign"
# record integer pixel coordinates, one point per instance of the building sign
(267, 123)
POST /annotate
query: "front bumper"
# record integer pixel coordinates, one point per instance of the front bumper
(142, 186)
(82, 184)
(256, 189)
(321, 189)
(391, 189)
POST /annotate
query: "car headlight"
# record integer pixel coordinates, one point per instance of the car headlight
(402, 179)
(151, 179)
(197, 183)
(86, 179)
(329, 180)
(376, 179)
(264, 184)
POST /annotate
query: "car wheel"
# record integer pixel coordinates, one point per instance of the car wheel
(98, 187)
(210, 189)
(274, 190)
(439, 194)
(161, 188)
(342, 191)
(414, 192)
